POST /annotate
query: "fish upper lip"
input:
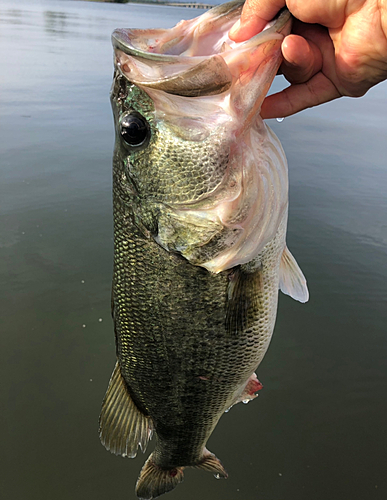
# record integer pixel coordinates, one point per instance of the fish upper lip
(122, 40)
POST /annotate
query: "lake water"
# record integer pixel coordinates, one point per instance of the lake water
(318, 429)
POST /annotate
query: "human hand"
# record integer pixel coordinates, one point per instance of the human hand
(337, 48)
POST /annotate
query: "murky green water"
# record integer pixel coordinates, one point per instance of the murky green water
(318, 429)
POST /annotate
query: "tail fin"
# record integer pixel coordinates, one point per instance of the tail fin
(154, 481)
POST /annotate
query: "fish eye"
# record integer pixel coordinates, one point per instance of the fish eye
(134, 129)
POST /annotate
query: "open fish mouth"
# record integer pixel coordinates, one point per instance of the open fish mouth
(204, 86)
(196, 57)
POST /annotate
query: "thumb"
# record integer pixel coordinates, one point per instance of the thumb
(255, 15)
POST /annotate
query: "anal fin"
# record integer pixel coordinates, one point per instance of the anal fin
(292, 281)
(122, 427)
(212, 464)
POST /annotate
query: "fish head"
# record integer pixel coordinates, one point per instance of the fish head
(205, 176)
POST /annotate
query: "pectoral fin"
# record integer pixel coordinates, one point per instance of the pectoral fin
(292, 281)
(122, 427)
(243, 296)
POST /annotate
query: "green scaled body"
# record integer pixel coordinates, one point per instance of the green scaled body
(200, 214)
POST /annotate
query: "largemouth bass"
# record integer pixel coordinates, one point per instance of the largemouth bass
(200, 214)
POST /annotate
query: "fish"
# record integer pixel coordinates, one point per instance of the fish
(200, 205)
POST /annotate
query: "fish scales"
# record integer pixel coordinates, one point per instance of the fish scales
(183, 366)
(200, 215)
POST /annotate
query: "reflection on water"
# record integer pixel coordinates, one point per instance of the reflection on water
(12, 16)
(318, 428)
(57, 23)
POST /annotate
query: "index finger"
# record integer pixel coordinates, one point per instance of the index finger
(255, 15)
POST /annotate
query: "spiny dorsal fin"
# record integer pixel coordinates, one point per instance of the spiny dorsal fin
(122, 427)
(243, 291)
(292, 281)
(155, 481)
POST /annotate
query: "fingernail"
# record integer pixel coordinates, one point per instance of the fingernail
(235, 28)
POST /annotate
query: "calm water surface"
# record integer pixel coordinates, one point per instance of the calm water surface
(318, 429)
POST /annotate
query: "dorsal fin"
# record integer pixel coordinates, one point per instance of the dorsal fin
(292, 281)
(122, 427)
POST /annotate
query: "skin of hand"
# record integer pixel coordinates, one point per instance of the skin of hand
(336, 48)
